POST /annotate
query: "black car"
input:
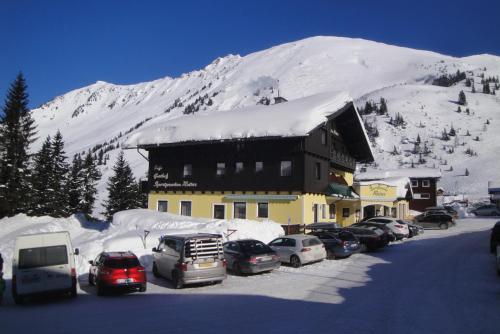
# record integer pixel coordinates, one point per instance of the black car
(370, 237)
(340, 244)
(250, 256)
(495, 237)
(436, 220)
(388, 235)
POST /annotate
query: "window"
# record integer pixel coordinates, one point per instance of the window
(187, 171)
(345, 212)
(240, 210)
(239, 167)
(185, 208)
(262, 210)
(323, 136)
(332, 211)
(323, 211)
(317, 170)
(221, 169)
(425, 196)
(426, 183)
(43, 257)
(259, 166)
(162, 206)
(414, 183)
(286, 168)
(219, 211)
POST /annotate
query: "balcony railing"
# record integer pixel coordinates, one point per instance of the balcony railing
(342, 159)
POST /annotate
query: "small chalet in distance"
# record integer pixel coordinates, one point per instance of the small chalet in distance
(291, 162)
(423, 183)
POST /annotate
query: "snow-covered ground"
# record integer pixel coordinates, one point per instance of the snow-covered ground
(440, 282)
(127, 232)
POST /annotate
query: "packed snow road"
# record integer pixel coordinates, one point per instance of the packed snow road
(441, 282)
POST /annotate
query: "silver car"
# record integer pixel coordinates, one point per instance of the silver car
(487, 210)
(190, 258)
(298, 249)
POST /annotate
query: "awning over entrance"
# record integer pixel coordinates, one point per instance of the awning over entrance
(340, 190)
(263, 198)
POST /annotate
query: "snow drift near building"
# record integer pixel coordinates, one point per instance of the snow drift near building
(126, 232)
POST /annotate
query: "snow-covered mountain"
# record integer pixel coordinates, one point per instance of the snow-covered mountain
(104, 114)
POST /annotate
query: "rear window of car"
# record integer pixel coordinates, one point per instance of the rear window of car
(121, 263)
(311, 242)
(43, 257)
(254, 247)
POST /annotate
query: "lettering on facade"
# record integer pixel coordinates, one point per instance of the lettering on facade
(378, 190)
(183, 184)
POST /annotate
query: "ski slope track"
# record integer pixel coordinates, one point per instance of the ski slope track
(366, 70)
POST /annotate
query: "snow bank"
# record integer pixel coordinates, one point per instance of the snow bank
(127, 232)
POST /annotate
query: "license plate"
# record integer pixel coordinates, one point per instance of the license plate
(206, 265)
(125, 280)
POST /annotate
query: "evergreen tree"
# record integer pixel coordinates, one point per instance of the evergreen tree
(57, 180)
(17, 131)
(418, 139)
(383, 107)
(473, 90)
(467, 172)
(459, 110)
(123, 190)
(444, 135)
(74, 186)
(486, 88)
(452, 132)
(40, 204)
(91, 175)
(461, 98)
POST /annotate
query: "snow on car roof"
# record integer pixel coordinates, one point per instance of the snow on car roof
(289, 119)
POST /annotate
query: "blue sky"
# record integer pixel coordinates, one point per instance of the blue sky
(64, 45)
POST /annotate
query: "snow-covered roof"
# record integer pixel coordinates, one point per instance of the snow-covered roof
(402, 184)
(293, 118)
(394, 173)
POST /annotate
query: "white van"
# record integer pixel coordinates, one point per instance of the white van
(41, 263)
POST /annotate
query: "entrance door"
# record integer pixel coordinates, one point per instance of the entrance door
(316, 212)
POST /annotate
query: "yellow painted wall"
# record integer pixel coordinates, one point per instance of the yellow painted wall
(299, 211)
(352, 206)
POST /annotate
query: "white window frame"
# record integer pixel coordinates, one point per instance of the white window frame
(414, 183)
(262, 166)
(419, 196)
(246, 210)
(158, 204)
(282, 169)
(180, 208)
(426, 183)
(184, 175)
(213, 210)
(257, 210)
(236, 170)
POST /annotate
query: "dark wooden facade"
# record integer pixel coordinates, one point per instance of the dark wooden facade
(420, 189)
(338, 143)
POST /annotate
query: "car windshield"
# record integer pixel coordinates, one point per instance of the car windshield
(254, 247)
(311, 242)
(122, 263)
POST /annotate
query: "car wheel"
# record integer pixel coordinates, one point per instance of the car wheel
(176, 280)
(295, 261)
(237, 269)
(143, 288)
(91, 279)
(443, 226)
(330, 255)
(156, 273)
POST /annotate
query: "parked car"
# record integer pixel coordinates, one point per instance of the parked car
(370, 237)
(388, 235)
(190, 258)
(413, 229)
(119, 270)
(298, 249)
(487, 210)
(399, 229)
(250, 256)
(43, 263)
(436, 220)
(336, 248)
(443, 209)
(495, 237)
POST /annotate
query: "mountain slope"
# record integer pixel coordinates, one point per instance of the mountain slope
(104, 113)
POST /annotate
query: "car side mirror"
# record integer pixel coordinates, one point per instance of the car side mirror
(91, 262)
(77, 251)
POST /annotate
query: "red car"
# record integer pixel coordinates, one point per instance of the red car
(117, 270)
